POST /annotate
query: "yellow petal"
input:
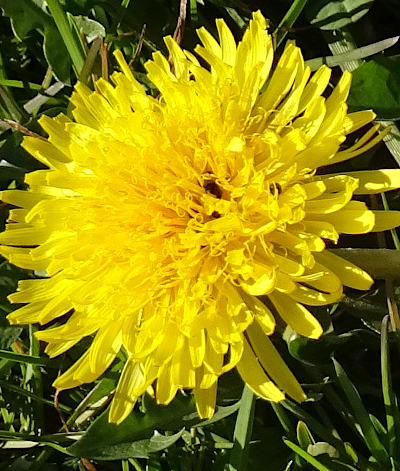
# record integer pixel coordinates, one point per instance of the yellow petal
(213, 360)
(340, 92)
(23, 199)
(358, 221)
(76, 375)
(263, 315)
(385, 220)
(349, 274)
(296, 315)
(28, 314)
(376, 181)
(339, 190)
(315, 87)
(182, 371)
(105, 347)
(235, 354)
(362, 145)
(209, 42)
(357, 120)
(320, 278)
(127, 71)
(227, 41)
(322, 229)
(178, 57)
(273, 364)
(282, 79)
(205, 399)
(197, 348)
(314, 297)
(255, 377)
(166, 390)
(54, 349)
(260, 281)
(131, 385)
(21, 257)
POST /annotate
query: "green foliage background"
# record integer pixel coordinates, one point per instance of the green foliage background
(351, 420)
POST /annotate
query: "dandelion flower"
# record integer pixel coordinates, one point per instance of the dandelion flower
(160, 220)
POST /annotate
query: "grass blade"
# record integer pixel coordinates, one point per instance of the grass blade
(288, 20)
(361, 416)
(23, 392)
(37, 385)
(306, 456)
(319, 429)
(193, 10)
(284, 420)
(242, 432)
(389, 397)
(29, 359)
(19, 84)
(72, 43)
(353, 54)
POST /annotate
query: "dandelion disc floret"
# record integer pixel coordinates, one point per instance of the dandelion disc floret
(160, 220)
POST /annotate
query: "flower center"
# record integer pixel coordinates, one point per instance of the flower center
(212, 187)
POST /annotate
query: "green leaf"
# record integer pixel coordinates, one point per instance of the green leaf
(103, 439)
(376, 85)
(9, 277)
(10, 173)
(139, 448)
(8, 335)
(90, 28)
(317, 352)
(57, 57)
(312, 352)
(335, 14)
(25, 16)
(351, 453)
(12, 152)
(369, 307)
(304, 436)
(361, 415)
(322, 448)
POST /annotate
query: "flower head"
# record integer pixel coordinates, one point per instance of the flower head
(161, 219)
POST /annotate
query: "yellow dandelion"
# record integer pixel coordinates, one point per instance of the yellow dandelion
(160, 220)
